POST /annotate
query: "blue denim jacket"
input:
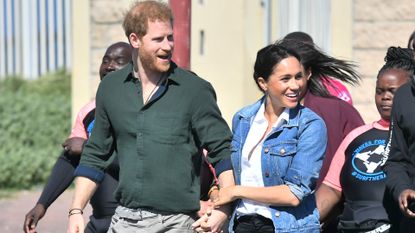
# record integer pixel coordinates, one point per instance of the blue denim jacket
(292, 155)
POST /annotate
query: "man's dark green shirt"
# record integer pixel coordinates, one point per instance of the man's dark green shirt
(158, 143)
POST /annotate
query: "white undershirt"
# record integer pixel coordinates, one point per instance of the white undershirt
(251, 174)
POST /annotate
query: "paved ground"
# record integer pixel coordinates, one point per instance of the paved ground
(14, 209)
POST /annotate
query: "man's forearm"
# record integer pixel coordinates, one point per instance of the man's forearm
(84, 189)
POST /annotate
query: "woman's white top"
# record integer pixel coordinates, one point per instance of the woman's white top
(251, 174)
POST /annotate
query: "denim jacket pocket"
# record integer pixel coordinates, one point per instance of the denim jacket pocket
(282, 154)
(287, 148)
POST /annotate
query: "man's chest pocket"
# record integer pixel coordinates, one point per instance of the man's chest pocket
(170, 129)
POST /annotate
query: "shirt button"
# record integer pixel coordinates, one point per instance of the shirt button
(140, 134)
(282, 151)
(266, 150)
(266, 174)
(277, 214)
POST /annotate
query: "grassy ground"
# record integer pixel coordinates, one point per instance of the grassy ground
(8, 193)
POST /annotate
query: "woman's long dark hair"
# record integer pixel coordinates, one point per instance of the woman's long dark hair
(322, 66)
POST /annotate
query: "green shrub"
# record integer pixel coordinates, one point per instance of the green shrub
(34, 121)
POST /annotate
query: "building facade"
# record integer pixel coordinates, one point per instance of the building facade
(225, 36)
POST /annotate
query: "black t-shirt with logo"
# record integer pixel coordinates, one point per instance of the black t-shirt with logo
(362, 178)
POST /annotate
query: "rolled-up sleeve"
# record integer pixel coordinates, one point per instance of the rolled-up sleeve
(211, 129)
(304, 170)
(93, 174)
(100, 146)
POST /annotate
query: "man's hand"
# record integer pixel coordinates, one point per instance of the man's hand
(405, 198)
(76, 224)
(213, 221)
(74, 146)
(204, 206)
(32, 217)
(201, 223)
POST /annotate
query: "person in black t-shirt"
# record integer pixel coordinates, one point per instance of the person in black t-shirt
(356, 169)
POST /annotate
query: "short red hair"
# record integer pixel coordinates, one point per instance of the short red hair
(137, 18)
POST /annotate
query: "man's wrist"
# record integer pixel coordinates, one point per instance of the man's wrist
(41, 205)
(74, 211)
(226, 209)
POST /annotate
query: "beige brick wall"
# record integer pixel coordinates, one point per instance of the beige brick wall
(97, 24)
(106, 28)
(377, 24)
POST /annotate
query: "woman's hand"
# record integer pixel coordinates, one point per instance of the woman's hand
(225, 195)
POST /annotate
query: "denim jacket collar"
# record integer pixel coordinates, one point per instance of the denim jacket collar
(250, 112)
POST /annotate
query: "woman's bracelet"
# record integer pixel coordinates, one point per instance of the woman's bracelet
(213, 188)
(75, 211)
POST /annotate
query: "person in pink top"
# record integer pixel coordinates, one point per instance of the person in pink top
(116, 57)
(337, 89)
(339, 116)
(103, 203)
(78, 130)
(356, 169)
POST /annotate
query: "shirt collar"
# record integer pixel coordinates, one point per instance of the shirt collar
(382, 124)
(260, 116)
(129, 73)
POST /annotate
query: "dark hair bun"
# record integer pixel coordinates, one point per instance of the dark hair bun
(399, 54)
(399, 58)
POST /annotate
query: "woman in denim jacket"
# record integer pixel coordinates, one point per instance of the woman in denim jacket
(277, 151)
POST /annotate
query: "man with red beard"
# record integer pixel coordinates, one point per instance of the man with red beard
(156, 117)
